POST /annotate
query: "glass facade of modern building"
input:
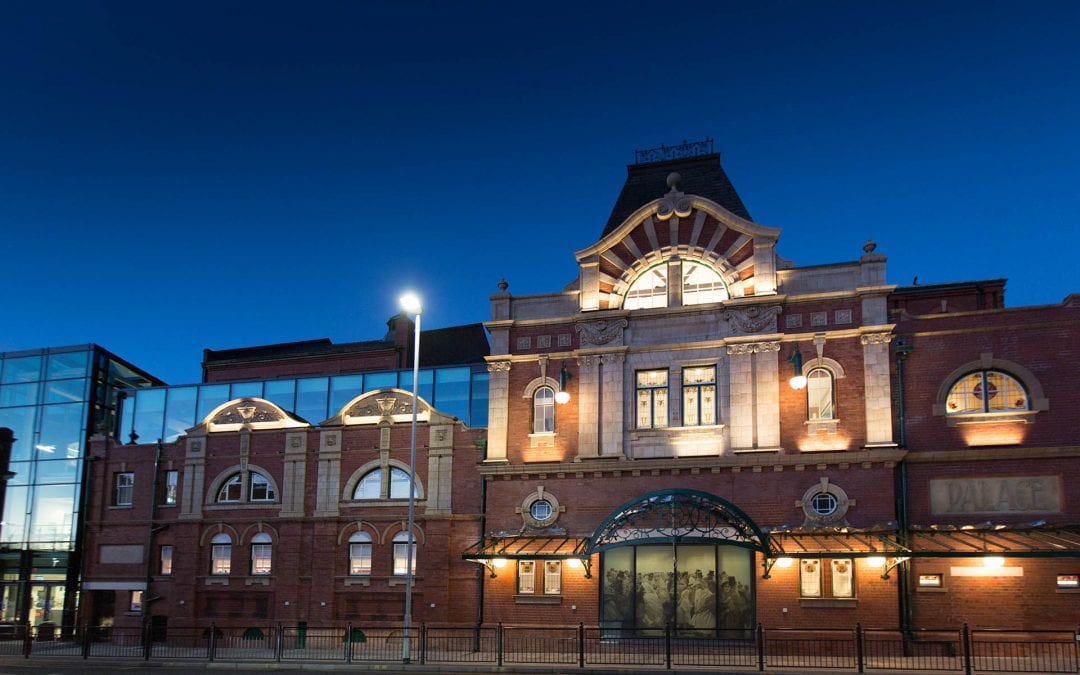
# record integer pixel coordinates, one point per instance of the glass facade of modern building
(167, 412)
(53, 400)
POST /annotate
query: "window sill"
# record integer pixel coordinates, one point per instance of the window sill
(1023, 416)
(121, 506)
(261, 580)
(538, 599)
(217, 581)
(399, 580)
(419, 502)
(357, 580)
(930, 589)
(1067, 590)
(818, 426)
(225, 506)
(542, 440)
(849, 603)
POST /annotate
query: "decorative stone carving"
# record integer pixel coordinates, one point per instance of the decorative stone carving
(246, 413)
(753, 348)
(602, 332)
(751, 319)
(391, 404)
(499, 367)
(613, 359)
(674, 202)
(876, 338)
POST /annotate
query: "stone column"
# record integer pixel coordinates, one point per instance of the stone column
(878, 391)
(498, 410)
(612, 406)
(294, 471)
(437, 495)
(328, 485)
(741, 396)
(767, 391)
(588, 406)
(191, 499)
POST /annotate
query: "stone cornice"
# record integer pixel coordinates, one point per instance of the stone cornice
(989, 454)
(734, 463)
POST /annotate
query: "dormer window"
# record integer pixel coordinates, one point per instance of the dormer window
(701, 284)
(648, 290)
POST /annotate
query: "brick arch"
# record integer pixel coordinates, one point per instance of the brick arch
(217, 528)
(387, 535)
(348, 529)
(255, 528)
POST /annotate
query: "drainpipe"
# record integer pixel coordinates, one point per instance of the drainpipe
(481, 569)
(150, 532)
(903, 570)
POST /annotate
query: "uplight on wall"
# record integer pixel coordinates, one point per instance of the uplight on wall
(573, 563)
(784, 563)
(499, 563)
(877, 562)
(798, 380)
(993, 561)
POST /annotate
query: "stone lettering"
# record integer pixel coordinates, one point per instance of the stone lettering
(1019, 494)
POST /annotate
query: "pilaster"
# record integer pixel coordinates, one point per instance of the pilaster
(498, 410)
(588, 406)
(329, 478)
(293, 473)
(878, 393)
(191, 497)
(611, 414)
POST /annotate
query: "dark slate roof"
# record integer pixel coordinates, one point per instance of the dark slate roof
(456, 345)
(701, 175)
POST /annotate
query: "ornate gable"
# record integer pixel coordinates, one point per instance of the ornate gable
(250, 413)
(679, 226)
(383, 406)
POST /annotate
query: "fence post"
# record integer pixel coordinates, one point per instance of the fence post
(348, 642)
(423, 643)
(667, 645)
(760, 647)
(967, 649)
(146, 639)
(499, 645)
(859, 646)
(581, 644)
(27, 640)
(86, 642)
(212, 647)
(279, 642)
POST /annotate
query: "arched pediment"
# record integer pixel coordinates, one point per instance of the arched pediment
(250, 413)
(678, 516)
(684, 226)
(382, 406)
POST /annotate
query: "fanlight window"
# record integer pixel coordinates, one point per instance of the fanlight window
(399, 484)
(232, 489)
(371, 485)
(986, 391)
(260, 490)
(701, 284)
(648, 290)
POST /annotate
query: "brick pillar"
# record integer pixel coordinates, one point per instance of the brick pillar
(498, 410)
(878, 392)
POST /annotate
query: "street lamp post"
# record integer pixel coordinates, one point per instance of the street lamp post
(411, 304)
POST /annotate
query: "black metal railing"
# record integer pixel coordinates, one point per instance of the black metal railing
(856, 650)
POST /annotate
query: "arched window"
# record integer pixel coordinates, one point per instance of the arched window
(399, 483)
(820, 395)
(221, 554)
(232, 489)
(402, 543)
(986, 391)
(544, 410)
(360, 554)
(370, 486)
(260, 489)
(701, 284)
(649, 289)
(261, 553)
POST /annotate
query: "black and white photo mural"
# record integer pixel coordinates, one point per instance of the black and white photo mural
(678, 558)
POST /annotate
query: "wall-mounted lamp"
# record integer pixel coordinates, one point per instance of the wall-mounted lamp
(563, 396)
(499, 562)
(574, 563)
(876, 561)
(798, 380)
(993, 561)
(784, 563)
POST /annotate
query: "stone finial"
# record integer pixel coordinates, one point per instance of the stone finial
(503, 285)
(869, 246)
(673, 179)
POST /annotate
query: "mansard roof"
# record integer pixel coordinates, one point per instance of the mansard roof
(701, 175)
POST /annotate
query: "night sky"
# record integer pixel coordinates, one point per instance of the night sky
(182, 175)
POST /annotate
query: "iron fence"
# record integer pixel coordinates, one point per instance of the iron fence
(859, 649)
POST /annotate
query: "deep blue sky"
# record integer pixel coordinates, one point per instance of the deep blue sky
(183, 175)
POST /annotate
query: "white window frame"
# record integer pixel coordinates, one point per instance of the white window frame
(232, 490)
(401, 544)
(360, 554)
(526, 581)
(544, 410)
(123, 488)
(394, 486)
(262, 554)
(172, 484)
(221, 555)
(373, 478)
(552, 577)
(258, 481)
(820, 380)
(135, 601)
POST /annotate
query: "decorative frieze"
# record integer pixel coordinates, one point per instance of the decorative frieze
(752, 319)
(600, 333)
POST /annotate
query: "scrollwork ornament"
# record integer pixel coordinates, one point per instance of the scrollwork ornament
(499, 367)
(751, 319)
(876, 339)
(602, 332)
